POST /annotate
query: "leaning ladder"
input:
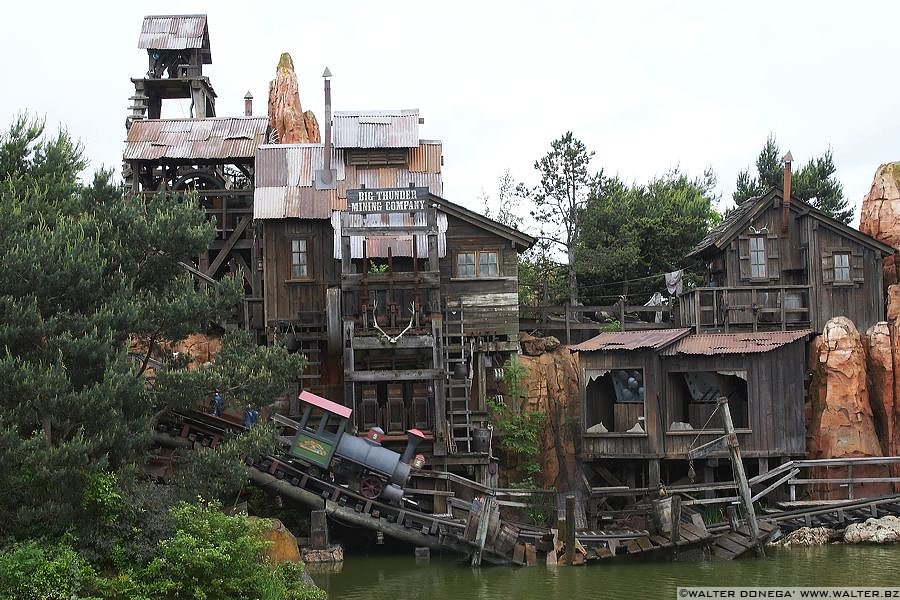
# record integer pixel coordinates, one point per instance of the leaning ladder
(456, 357)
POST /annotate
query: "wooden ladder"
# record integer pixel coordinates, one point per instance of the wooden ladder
(456, 356)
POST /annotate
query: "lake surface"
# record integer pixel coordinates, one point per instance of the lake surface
(400, 577)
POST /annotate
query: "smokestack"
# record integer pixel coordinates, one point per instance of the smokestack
(248, 104)
(327, 76)
(786, 201)
(414, 437)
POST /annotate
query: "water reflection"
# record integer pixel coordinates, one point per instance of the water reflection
(400, 577)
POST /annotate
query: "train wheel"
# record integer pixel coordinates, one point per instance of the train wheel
(370, 487)
(313, 471)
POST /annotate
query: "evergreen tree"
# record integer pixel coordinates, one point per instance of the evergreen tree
(565, 186)
(82, 270)
(814, 183)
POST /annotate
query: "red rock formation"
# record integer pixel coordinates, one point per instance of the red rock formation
(841, 423)
(880, 358)
(552, 386)
(880, 215)
(282, 543)
(286, 115)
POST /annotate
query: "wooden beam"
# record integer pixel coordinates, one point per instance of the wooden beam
(227, 247)
(379, 342)
(398, 375)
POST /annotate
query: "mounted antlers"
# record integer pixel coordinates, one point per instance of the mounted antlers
(393, 340)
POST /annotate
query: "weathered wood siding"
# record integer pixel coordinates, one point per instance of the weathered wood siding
(775, 395)
(786, 255)
(286, 298)
(625, 445)
(490, 304)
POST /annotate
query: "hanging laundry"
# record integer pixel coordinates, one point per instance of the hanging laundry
(675, 282)
(656, 300)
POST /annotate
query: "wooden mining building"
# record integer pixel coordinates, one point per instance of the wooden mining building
(405, 303)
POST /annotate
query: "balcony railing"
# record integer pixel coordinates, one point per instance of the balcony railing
(750, 308)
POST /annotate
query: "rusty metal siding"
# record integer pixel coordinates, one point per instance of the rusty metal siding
(214, 138)
(376, 129)
(175, 32)
(631, 340)
(735, 343)
(284, 182)
(400, 245)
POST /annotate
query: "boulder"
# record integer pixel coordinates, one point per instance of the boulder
(282, 543)
(880, 215)
(880, 367)
(552, 385)
(840, 418)
(286, 115)
(808, 536)
(885, 530)
(535, 346)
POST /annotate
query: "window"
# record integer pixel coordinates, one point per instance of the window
(487, 264)
(478, 263)
(758, 258)
(299, 259)
(842, 267)
(614, 401)
(465, 264)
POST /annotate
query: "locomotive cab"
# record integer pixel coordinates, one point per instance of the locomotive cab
(319, 430)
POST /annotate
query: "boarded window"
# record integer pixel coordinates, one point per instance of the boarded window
(842, 267)
(758, 258)
(465, 264)
(614, 401)
(299, 259)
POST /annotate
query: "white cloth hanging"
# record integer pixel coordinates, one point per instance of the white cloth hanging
(675, 282)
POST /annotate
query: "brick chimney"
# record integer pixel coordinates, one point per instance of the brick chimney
(786, 200)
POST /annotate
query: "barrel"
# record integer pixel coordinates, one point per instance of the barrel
(481, 439)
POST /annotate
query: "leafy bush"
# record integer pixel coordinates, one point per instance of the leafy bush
(32, 572)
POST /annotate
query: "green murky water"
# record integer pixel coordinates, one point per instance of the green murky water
(400, 577)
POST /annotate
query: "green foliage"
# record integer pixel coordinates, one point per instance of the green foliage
(636, 233)
(31, 572)
(610, 326)
(81, 270)
(378, 268)
(566, 184)
(507, 203)
(815, 182)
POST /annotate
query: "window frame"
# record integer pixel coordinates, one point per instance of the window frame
(477, 252)
(847, 268)
(290, 264)
(764, 251)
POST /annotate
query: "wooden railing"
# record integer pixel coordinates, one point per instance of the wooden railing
(573, 324)
(756, 308)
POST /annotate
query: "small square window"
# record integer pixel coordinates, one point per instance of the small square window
(299, 259)
(465, 264)
(842, 267)
(487, 264)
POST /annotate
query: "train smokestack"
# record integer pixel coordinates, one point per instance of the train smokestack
(414, 437)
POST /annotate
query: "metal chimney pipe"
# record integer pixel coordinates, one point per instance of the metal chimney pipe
(248, 104)
(786, 200)
(327, 174)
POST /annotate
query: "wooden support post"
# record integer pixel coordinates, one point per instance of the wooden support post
(487, 506)
(676, 519)
(568, 325)
(318, 530)
(739, 475)
(570, 529)
(731, 514)
(654, 473)
(850, 482)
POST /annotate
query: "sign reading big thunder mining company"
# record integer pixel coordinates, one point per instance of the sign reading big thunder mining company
(387, 200)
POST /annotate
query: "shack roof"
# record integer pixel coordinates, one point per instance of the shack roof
(175, 32)
(735, 343)
(737, 219)
(195, 139)
(652, 339)
(376, 128)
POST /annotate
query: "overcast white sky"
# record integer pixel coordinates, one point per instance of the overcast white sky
(648, 86)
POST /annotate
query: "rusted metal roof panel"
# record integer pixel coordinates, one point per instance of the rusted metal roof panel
(652, 339)
(376, 129)
(215, 138)
(174, 32)
(735, 343)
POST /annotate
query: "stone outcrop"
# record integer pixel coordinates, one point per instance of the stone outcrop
(282, 544)
(880, 358)
(552, 386)
(839, 414)
(880, 215)
(885, 530)
(808, 536)
(286, 115)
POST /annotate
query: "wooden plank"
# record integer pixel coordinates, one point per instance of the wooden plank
(644, 544)
(530, 555)
(228, 246)
(660, 541)
(519, 554)
(632, 547)
(731, 546)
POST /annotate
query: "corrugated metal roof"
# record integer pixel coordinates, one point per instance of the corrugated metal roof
(631, 340)
(376, 129)
(214, 138)
(174, 32)
(735, 343)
